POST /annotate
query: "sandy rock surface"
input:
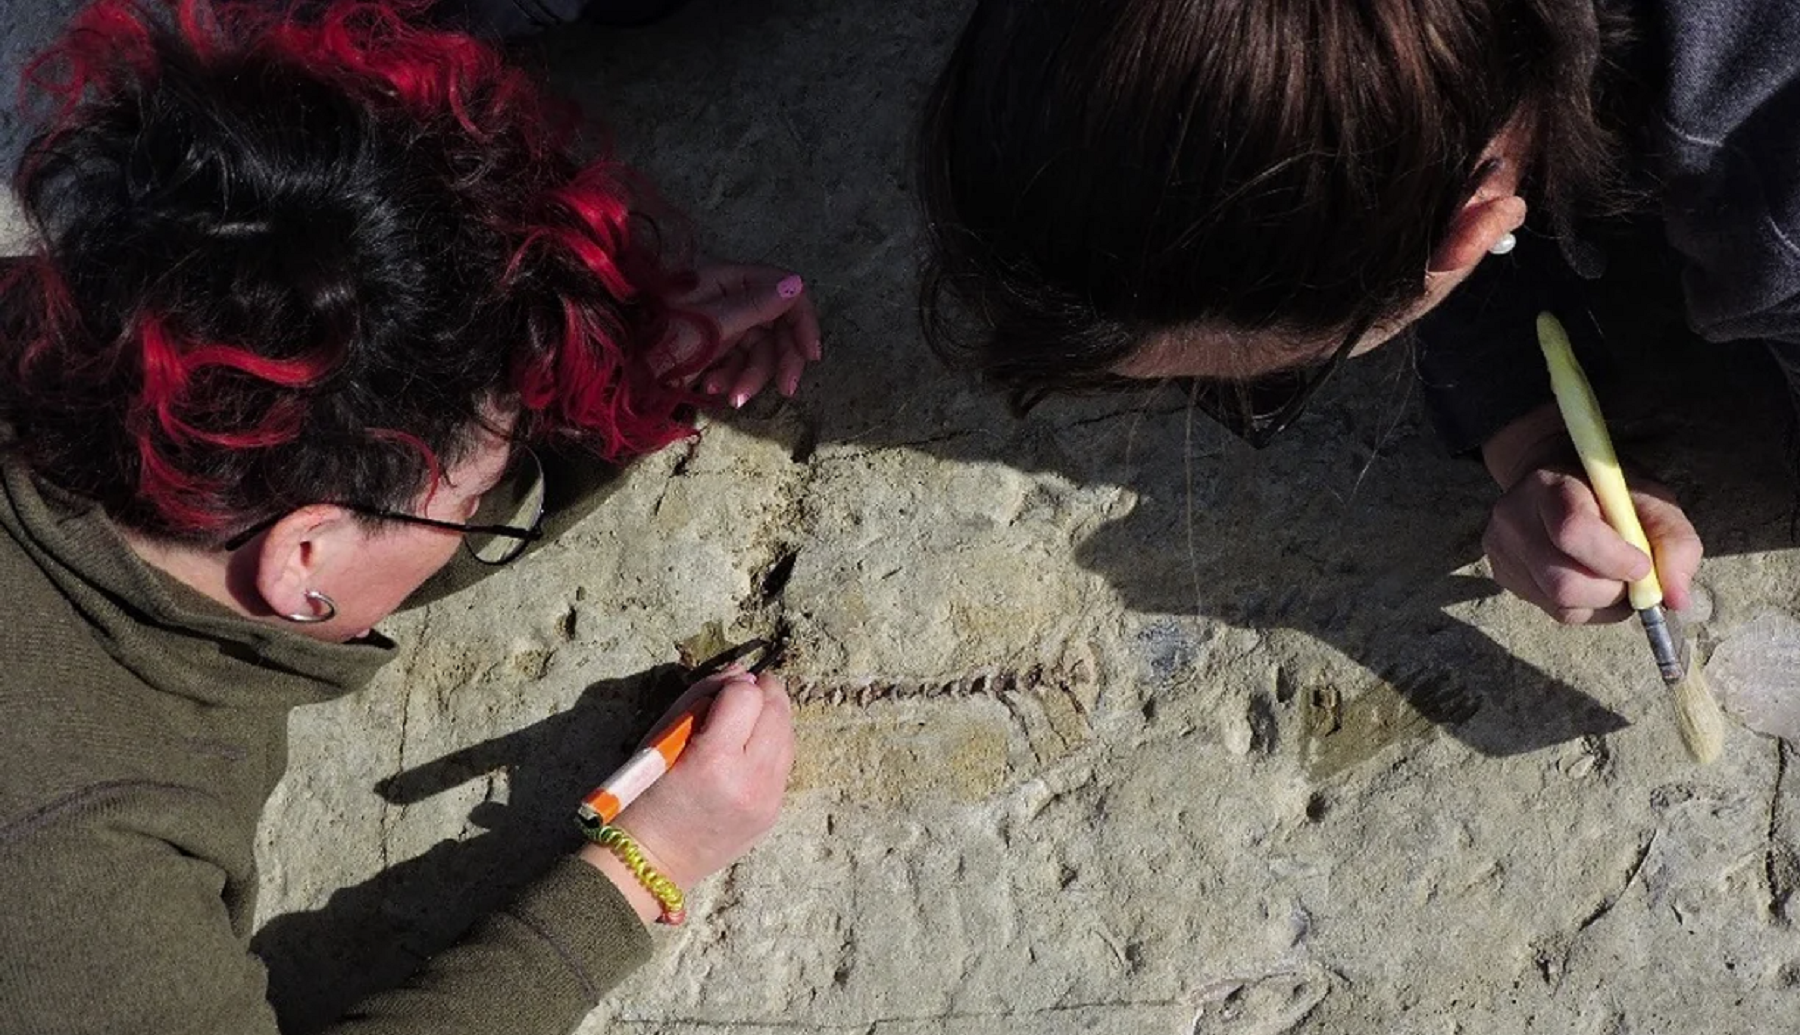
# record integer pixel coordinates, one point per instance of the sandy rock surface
(1108, 724)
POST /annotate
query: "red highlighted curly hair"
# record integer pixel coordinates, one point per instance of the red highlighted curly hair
(288, 259)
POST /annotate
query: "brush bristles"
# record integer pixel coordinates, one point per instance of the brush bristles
(1697, 716)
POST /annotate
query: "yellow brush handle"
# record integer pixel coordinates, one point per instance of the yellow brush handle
(1581, 412)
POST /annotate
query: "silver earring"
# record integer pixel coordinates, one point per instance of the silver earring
(317, 599)
(1504, 245)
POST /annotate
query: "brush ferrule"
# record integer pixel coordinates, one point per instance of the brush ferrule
(1664, 644)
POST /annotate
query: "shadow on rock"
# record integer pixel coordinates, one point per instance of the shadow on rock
(1353, 547)
(373, 935)
(574, 485)
(1352, 528)
(1346, 530)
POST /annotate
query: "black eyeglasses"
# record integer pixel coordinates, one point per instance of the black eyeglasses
(1258, 409)
(517, 500)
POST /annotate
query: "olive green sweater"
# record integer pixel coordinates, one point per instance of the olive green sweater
(142, 728)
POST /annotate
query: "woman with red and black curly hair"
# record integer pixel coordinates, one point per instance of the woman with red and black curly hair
(309, 299)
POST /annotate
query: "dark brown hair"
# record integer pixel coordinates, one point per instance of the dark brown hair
(1096, 171)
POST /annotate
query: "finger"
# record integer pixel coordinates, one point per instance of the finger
(1592, 616)
(694, 712)
(803, 321)
(1570, 586)
(723, 373)
(694, 700)
(759, 366)
(1572, 520)
(710, 282)
(790, 362)
(1515, 549)
(1513, 578)
(676, 349)
(1675, 543)
(708, 685)
(772, 742)
(1608, 615)
(1571, 615)
(691, 342)
(1568, 593)
(775, 724)
(732, 718)
(767, 295)
(1571, 596)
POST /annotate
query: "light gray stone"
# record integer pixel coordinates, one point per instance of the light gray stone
(1757, 672)
(1107, 724)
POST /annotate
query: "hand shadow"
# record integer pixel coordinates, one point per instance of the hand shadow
(373, 935)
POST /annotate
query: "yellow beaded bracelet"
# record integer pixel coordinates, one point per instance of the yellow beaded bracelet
(629, 852)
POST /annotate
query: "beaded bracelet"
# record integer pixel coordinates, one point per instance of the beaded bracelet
(629, 852)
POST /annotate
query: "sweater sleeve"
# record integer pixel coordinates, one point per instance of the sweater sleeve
(106, 928)
(538, 966)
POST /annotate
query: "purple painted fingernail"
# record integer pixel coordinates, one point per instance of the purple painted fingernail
(738, 400)
(790, 287)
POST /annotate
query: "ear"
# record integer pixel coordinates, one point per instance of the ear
(1477, 228)
(297, 549)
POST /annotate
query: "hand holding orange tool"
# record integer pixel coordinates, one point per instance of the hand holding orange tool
(641, 770)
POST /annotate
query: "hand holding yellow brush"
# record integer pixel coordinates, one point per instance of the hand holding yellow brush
(1696, 713)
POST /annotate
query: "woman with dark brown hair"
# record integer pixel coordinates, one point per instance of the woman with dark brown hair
(1248, 192)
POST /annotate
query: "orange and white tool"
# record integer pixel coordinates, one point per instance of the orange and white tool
(641, 770)
(1696, 711)
(606, 801)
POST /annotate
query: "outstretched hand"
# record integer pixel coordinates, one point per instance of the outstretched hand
(768, 331)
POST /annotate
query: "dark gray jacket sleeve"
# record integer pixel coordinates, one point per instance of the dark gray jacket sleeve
(1724, 146)
(1729, 138)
